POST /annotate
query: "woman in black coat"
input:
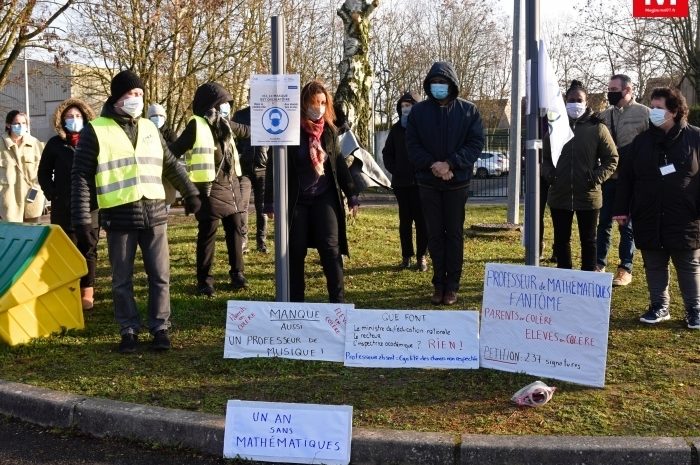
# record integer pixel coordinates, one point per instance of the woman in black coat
(226, 197)
(317, 176)
(658, 189)
(55, 180)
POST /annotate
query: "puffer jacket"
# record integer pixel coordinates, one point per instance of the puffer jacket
(141, 214)
(57, 162)
(586, 161)
(394, 154)
(453, 133)
(253, 158)
(664, 209)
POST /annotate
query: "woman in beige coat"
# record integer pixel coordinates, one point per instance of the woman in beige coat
(21, 197)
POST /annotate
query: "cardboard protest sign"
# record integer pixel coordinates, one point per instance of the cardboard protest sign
(546, 321)
(288, 433)
(305, 331)
(412, 339)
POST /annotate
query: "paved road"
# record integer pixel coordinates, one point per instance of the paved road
(24, 444)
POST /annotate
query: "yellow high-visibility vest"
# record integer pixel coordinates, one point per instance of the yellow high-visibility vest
(200, 158)
(126, 174)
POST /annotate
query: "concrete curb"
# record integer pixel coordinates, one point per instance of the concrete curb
(205, 433)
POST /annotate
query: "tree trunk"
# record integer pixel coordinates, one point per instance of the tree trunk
(353, 94)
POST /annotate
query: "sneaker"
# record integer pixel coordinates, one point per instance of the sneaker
(206, 290)
(436, 299)
(129, 343)
(622, 277)
(450, 298)
(692, 317)
(245, 246)
(238, 281)
(405, 263)
(160, 341)
(601, 269)
(655, 314)
(422, 263)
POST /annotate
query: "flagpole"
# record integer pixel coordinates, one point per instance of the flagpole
(534, 143)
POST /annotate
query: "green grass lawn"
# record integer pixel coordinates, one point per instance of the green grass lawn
(653, 373)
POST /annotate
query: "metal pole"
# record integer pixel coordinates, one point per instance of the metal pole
(279, 154)
(26, 85)
(532, 194)
(515, 120)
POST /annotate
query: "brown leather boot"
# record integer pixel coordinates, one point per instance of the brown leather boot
(450, 298)
(87, 297)
(436, 299)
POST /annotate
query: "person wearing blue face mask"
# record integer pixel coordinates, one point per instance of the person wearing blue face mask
(586, 161)
(444, 137)
(21, 198)
(659, 190)
(70, 117)
(403, 183)
(156, 113)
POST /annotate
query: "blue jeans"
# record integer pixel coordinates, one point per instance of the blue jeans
(604, 233)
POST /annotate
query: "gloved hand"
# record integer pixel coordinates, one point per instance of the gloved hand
(192, 204)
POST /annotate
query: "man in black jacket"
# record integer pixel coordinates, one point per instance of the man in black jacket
(444, 138)
(122, 159)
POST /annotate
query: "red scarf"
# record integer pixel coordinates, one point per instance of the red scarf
(316, 152)
(72, 138)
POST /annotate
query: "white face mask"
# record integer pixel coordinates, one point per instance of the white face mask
(158, 120)
(575, 110)
(657, 116)
(133, 106)
(224, 110)
(314, 114)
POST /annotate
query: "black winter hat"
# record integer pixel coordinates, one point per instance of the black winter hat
(207, 96)
(408, 96)
(122, 83)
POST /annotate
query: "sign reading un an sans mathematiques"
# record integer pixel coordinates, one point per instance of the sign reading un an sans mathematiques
(412, 339)
(288, 433)
(305, 331)
(546, 321)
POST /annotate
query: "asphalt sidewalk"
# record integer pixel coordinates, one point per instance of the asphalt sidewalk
(205, 433)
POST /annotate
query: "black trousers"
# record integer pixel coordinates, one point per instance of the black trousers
(562, 221)
(410, 212)
(206, 242)
(257, 181)
(316, 222)
(242, 201)
(444, 213)
(89, 251)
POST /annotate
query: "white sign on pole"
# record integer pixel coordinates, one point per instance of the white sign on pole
(289, 433)
(275, 112)
(546, 321)
(412, 339)
(304, 331)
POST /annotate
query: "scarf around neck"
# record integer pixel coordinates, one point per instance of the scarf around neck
(318, 156)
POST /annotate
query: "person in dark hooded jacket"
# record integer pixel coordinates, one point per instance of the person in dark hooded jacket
(659, 191)
(55, 166)
(444, 138)
(403, 183)
(121, 159)
(586, 161)
(224, 193)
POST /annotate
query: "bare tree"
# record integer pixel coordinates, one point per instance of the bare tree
(21, 25)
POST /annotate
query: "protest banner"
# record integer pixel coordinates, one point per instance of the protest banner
(275, 112)
(288, 433)
(546, 322)
(412, 339)
(305, 331)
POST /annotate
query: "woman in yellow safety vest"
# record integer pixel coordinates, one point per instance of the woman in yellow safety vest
(213, 165)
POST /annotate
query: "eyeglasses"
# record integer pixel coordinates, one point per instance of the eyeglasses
(534, 394)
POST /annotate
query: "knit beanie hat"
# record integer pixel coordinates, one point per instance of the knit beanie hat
(156, 109)
(122, 83)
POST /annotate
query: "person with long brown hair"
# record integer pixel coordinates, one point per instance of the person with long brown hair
(317, 179)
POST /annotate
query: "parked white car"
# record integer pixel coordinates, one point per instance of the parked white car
(491, 164)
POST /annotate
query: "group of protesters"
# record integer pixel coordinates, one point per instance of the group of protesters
(119, 172)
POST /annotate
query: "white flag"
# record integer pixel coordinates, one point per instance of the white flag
(552, 102)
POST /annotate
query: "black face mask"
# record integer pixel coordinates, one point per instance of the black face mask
(614, 97)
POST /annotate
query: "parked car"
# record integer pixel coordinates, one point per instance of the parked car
(491, 164)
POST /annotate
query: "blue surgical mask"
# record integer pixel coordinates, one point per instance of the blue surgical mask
(158, 120)
(440, 91)
(657, 116)
(18, 129)
(405, 111)
(74, 124)
(224, 110)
